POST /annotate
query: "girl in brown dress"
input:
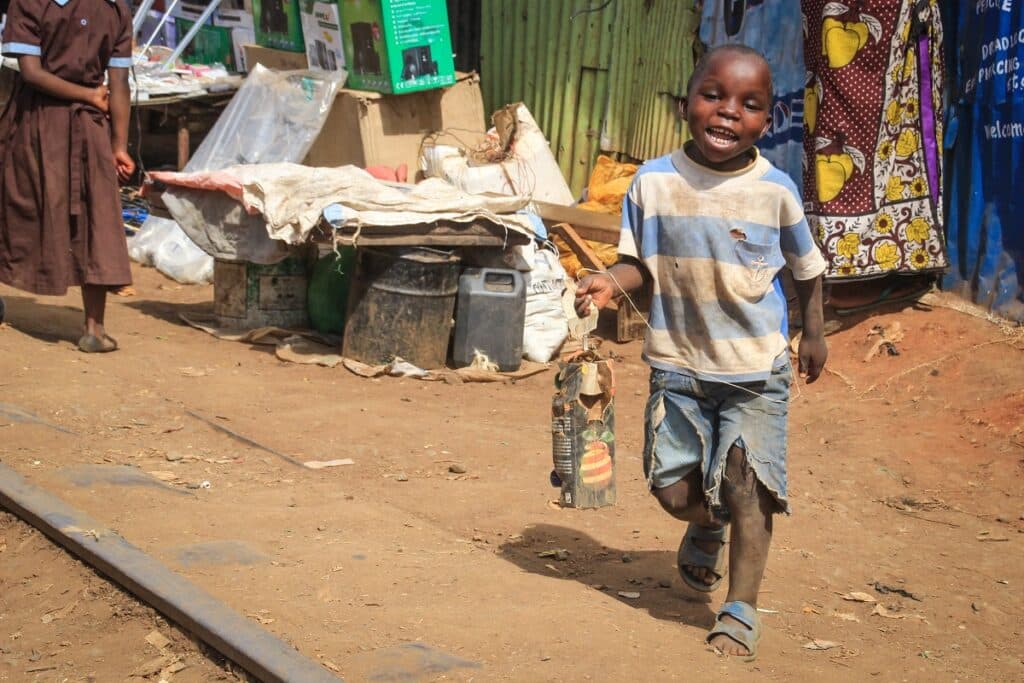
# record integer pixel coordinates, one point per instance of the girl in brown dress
(63, 147)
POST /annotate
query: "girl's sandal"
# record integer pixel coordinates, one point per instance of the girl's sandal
(748, 634)
(690, 555)
(90, 343)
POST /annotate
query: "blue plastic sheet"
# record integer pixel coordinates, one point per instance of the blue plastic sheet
(985, 144)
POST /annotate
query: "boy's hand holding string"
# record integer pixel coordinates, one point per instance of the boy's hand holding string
(624, 277)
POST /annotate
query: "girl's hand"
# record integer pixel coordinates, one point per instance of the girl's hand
(125, 165)
(99, 97)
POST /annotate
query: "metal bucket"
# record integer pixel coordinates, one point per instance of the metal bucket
(401, 305)
(249, 295)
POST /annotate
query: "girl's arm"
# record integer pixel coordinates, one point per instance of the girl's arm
(33, 73)
(120, 109)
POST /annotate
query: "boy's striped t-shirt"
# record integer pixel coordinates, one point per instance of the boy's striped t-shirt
(713, 243)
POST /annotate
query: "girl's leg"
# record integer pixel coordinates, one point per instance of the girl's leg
(751, 507)
(95, 339)
(94, 301)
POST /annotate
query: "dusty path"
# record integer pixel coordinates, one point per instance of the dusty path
(905, 475)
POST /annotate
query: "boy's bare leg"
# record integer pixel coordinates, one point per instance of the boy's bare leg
(751, 507)
(94, 301)
(684, 500)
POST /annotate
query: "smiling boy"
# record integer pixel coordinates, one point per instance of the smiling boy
(709, 227)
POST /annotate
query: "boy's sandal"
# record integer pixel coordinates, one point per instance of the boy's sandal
(90, 343)
(690, 555)
(748, 635)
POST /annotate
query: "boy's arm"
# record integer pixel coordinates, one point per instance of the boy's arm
(120, 111)
(33, 73)
(813, 351)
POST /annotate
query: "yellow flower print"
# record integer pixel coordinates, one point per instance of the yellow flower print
(848, 245)
(919, 258)
(885, 149)
(883, 223)
(896, 73)
(910, 109)
(846, 269)
(905, 31)
(886, 254)
(894, 113)
(894, 188)
(918, 230)
(907, 143)
(918, 187)
(910, 64)
(821, 234)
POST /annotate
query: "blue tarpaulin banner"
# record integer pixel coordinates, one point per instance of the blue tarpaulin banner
(985, 147)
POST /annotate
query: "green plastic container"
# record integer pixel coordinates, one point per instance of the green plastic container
(212, 45)
(328, 290)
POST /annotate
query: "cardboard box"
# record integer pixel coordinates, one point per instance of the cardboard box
(240, 23)
(373, 129)
(278, 24)
(397, 46)
(321, 29)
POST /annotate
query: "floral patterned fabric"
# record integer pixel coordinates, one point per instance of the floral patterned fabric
(873, 174)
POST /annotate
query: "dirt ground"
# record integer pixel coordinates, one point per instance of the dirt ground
(905, 476)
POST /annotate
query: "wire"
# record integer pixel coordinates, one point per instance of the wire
(643, 317)
(588, 10)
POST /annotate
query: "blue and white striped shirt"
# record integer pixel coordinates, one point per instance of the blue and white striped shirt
(713, 243)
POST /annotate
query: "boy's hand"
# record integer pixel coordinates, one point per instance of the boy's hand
(812, 352)
(598, 289)
(125, 165)
(99, 97)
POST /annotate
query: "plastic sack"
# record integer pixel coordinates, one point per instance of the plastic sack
(545, 328)
(163, 244)
(275, 116)
(530, 169)
(609, 183)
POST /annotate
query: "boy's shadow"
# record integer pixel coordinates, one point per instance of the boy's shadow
(610, 570)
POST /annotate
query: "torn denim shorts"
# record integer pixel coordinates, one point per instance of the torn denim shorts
(692, 423)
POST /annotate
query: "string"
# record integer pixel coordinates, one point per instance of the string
(643, 317)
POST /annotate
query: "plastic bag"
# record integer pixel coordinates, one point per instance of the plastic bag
(545, 328)
(275, 116)
(163, 244)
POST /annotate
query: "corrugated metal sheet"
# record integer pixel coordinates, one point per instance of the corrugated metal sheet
(604, 81)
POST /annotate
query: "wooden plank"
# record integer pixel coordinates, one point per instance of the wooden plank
(268, 658)
(441, 233)
(591, 225)
(629, 324)
(373, 240)
(587, 256)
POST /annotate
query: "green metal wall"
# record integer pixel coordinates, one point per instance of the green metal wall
(604, 81)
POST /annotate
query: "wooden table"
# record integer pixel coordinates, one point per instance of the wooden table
(183, 109)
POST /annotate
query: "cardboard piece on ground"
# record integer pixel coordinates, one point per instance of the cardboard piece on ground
(372, 129)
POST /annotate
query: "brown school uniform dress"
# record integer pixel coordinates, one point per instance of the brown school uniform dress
(60, 208)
